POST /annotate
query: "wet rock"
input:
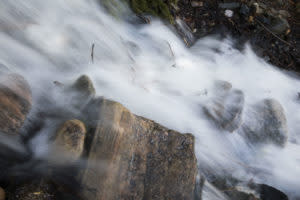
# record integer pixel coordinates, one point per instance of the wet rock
(267, 192)
(242, 193)
(279, 25)
(257, 8)
(244, 10)
(227, 187)
(81, 92)
(231, 188)
(222, 87)
(2, 194)
(70, 138)
(225, 108)
(212, 193)
(268, 124)
(254, 191)
(222, 182)
(39, 190)
(271, 193)
(284, 13)
(131, 157)
(84, 85)
(15, 102)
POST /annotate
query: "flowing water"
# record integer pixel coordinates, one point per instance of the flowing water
(150, 70)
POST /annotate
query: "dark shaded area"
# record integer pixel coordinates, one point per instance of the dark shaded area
(272, 27)
(270, 193)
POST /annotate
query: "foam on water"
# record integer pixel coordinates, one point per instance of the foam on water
(149, 70)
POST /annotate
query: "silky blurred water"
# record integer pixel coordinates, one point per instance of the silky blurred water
(150, 70)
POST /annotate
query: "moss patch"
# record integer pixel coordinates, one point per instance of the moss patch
(159, 8)
(113, 7)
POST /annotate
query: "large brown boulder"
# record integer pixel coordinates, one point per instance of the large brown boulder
(131, 157)
(15, 102)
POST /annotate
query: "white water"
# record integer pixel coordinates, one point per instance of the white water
(50, 41)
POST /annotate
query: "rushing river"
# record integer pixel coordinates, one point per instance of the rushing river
(149, 69)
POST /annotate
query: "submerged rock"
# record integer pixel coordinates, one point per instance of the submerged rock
(222, 87)
(226, 106)
(222, 187)
(212, 193)
(130, 157)
(268, 124)
(15, 102)
(85, 86)
(70, 138)
(242, 193)
(82, 91)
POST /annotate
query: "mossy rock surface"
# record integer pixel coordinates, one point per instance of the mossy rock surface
(159, 8)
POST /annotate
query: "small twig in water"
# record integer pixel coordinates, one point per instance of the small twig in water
(171, 49)
(92, 52)
(186, 42)
(272, 33)
(172, 53)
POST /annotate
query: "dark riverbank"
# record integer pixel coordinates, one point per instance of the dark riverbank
(272, 27)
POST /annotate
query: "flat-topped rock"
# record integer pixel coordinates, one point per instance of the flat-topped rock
(131, 157)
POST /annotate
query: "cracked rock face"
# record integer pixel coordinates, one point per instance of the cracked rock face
(15, 102)
(131, 157)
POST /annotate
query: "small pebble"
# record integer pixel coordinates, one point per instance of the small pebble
(228, 13)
